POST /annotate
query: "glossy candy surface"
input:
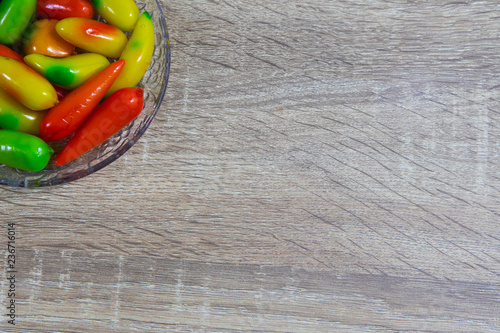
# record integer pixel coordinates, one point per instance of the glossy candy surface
(106, 120)
(15, 16)
(93, 36)
(61, 9)
(15, 116)
(63, 119)
(25, 85)
(8, 52)
(89, 113)
(69, 72)
(137, 54)
(41, 38)
(23, 151)
(61, 93)
(122, 14)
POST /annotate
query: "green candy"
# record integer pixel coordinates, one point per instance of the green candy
(15, 116)
(23, 151)
(15, 15)
(69, 72)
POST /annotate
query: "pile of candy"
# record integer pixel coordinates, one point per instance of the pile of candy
(76, 77)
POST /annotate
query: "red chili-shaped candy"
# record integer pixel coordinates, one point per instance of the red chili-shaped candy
(71, 112)
(109, 118)
(61, 9)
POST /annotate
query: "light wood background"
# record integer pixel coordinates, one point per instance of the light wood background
(317, 166)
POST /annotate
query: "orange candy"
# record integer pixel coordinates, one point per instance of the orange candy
(93, 36)
(42, 38)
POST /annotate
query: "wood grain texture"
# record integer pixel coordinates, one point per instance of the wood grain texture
(317, 166)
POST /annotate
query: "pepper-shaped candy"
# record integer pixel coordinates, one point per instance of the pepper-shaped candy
(25, 85)
(93, 36)
(41, 38)
(105, 121)
(63, 119)
(137, 54)
(61, 9)
(15, 116)
(15, 16)
(8, 52)
(70, 72)
(122, 14)
(23, 151)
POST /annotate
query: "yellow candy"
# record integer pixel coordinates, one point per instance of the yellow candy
(15, 116)
(137, 54)
(25, 85)
(122, 14)
(93, 36)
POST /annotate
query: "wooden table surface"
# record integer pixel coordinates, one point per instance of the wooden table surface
(316, 166)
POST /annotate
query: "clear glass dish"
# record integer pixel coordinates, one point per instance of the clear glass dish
(154, 84)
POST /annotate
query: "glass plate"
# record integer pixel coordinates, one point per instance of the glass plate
(154, 84)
